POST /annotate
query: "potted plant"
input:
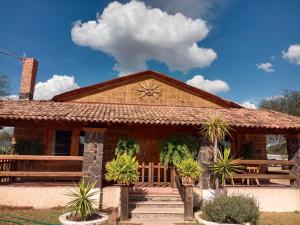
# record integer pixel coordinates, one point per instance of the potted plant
(82, 206)
(189, 170)
(124, 171)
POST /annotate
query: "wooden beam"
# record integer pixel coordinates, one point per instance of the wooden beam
(41, 157)
(265, 162)
(75, 142)
(39, 174)
(264, 176)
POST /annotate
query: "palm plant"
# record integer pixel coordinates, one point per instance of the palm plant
(215, 129)
(177, 148)
(189, 169)
(225, 166)
(83, 200)
(129, 146)
(123, 169)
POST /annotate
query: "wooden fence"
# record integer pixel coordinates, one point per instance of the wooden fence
(155, 175)
(16, 168)
(258, 170)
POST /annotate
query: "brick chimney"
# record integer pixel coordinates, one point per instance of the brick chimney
(28, 78)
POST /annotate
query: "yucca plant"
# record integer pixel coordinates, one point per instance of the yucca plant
(215, 128)
(129, 146)
(83, 200)
(189, 169)
(225, 167)
(177, 148)
(123, 169)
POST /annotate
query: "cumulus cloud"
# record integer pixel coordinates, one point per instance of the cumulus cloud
(249, 105)
(292, 54)
(133, 33)
(266, 67)
(212, 86)
(55, 85)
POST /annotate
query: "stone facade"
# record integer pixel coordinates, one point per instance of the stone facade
(293, 149)
(93, 157)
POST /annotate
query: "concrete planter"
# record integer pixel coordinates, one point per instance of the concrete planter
(205, 222)
(64, 221)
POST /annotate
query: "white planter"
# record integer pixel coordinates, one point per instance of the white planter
(205, 222)
(63, 219)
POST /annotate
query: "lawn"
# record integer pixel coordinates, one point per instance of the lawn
(50, 217)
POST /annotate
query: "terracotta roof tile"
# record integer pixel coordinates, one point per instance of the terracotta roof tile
(142, 114)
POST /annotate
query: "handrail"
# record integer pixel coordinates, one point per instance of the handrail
(265, 162)
(179, 185)
(41, 158)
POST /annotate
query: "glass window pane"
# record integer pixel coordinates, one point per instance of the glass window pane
(62, 142)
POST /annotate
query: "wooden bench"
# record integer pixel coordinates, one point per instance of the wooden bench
(264, 176)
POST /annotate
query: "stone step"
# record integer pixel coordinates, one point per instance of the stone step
(169, 197)
(153, 204)
(156, 213)
(167, 220)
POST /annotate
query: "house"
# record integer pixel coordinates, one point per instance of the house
(147, 106)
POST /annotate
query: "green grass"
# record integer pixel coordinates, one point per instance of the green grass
(50, 216)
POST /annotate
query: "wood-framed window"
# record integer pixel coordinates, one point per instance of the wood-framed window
(62, 140)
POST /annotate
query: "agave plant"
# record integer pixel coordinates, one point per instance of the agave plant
(177, 148)
(83, 200)
(123, 169)
(189, 169)
(225, 166)
(129, 146)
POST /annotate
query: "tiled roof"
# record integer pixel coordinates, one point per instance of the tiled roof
(141, 114)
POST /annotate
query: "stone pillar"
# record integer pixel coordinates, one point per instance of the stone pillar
(93, 156)
(293, 150)
(205, 157)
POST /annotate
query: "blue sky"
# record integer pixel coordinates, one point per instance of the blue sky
(243, 34)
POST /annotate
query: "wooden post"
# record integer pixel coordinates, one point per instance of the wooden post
(173, 174)
(124, 203)
(293, 149)
(188, 202)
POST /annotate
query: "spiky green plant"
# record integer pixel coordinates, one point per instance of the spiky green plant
(123, 169)
(177, 148)
(189, 168)
(225, 166)
(83, 200)
(129, 146)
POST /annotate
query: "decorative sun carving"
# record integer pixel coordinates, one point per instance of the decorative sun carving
(149, 90)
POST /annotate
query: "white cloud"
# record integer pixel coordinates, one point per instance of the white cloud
(266, 67)
(133, 34)
(249, 105)
(292, 54)
(55, 85)
(10, 97)
(212, 86)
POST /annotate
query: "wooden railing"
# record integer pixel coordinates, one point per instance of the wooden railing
(155, 175)
(16, 168)
(258, 170)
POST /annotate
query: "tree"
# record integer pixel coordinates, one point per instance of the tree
(215, 129)
(4, 86)
(288, 103)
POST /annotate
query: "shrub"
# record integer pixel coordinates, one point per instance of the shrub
(176, 148)
(83, 201)
(6, 150)
(129, 146)
(123, 169)
(189, 168)
(231, 209)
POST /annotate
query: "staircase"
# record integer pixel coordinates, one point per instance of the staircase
(155, 205)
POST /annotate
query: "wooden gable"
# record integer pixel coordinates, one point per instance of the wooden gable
(147, 88)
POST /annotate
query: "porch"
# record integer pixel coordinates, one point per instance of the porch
(64, 169)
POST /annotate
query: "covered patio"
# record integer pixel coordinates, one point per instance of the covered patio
(94, 128)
